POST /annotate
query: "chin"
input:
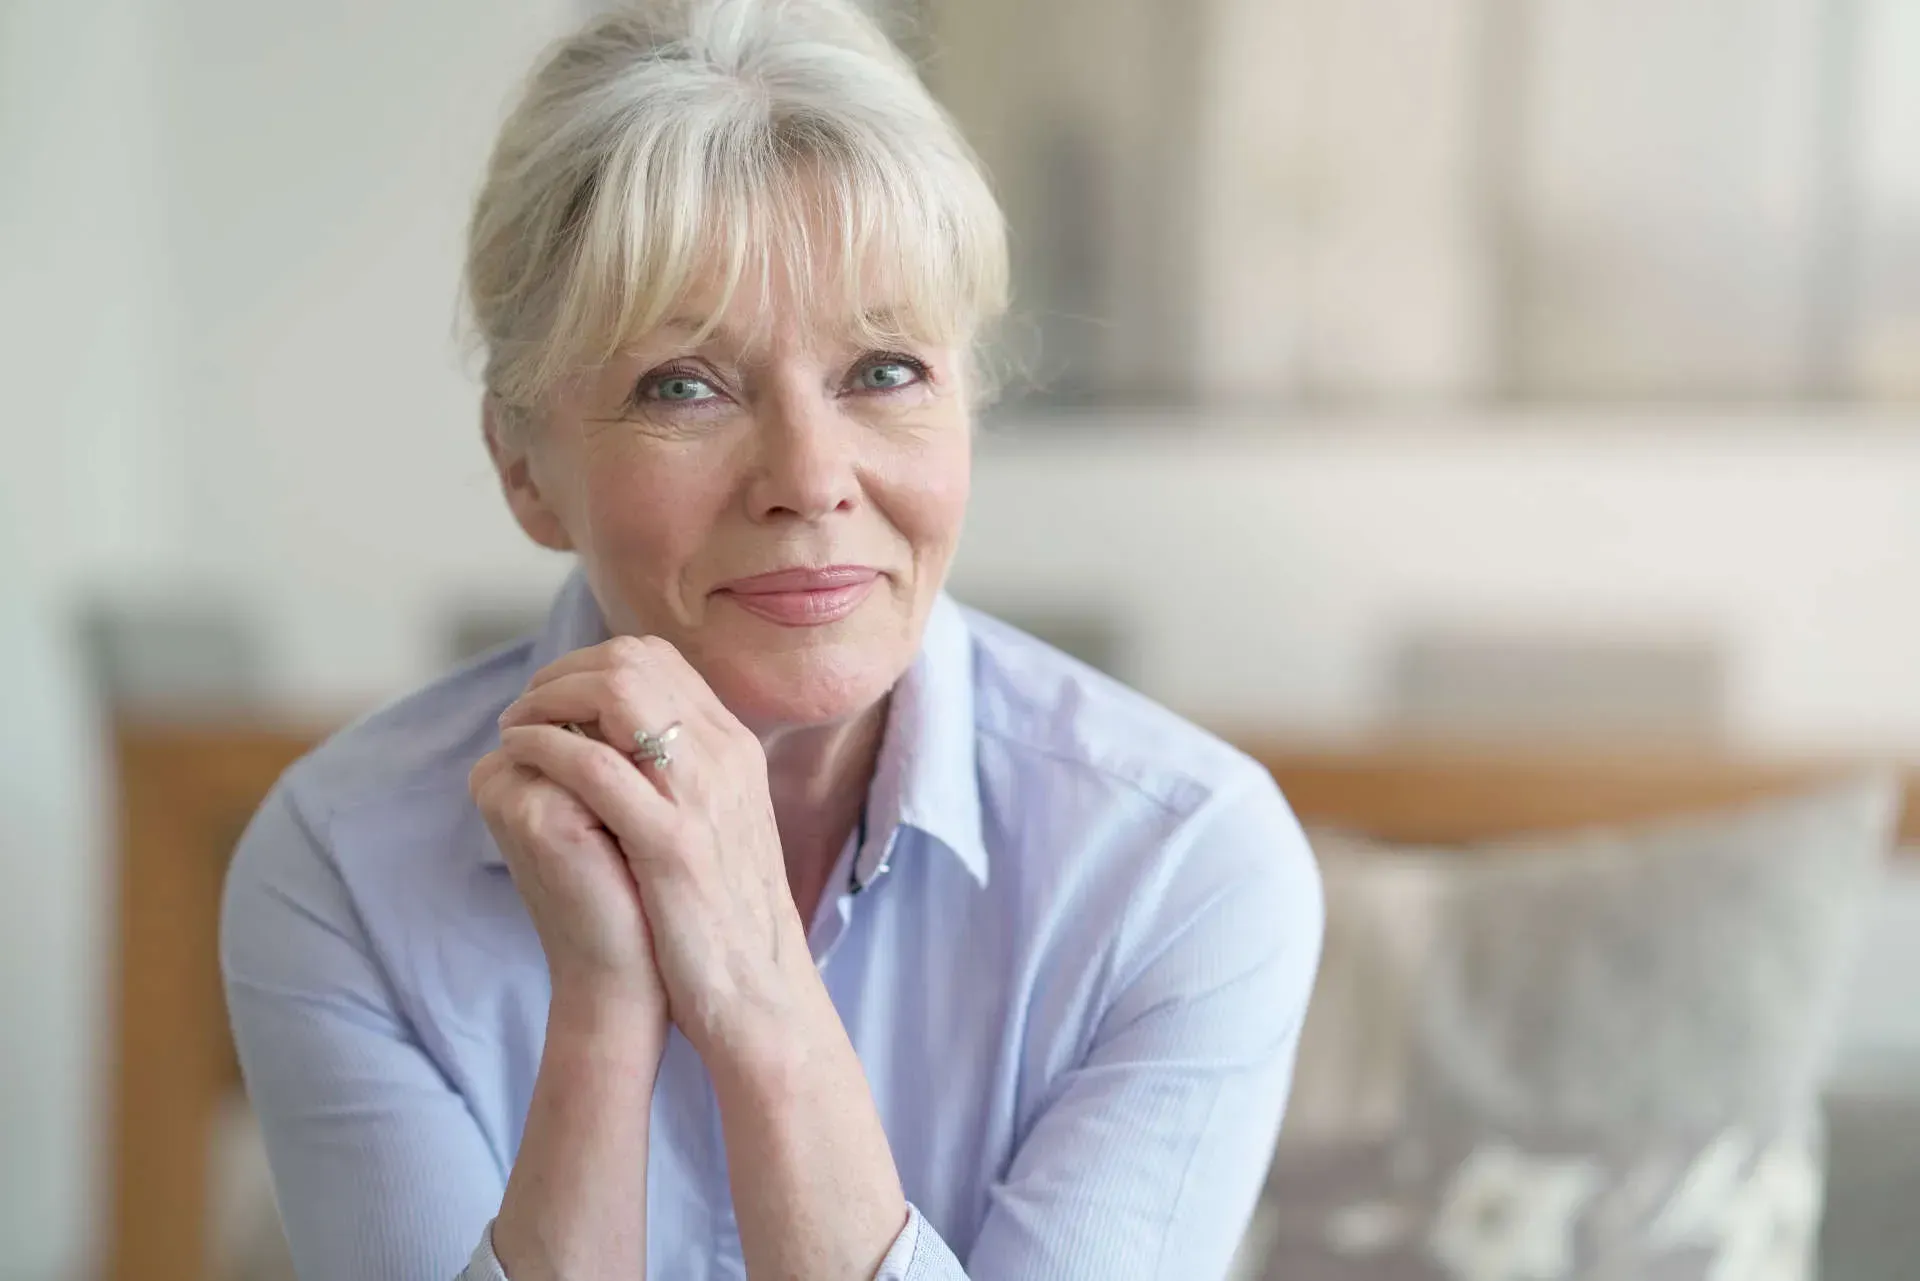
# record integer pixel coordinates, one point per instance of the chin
(816, 685)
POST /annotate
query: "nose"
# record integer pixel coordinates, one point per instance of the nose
(806, 457)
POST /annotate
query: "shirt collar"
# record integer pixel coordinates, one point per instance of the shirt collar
(927, 775)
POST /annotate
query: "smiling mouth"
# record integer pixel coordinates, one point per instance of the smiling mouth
(803, 597)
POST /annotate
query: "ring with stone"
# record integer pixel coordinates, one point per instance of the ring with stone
(651, 749)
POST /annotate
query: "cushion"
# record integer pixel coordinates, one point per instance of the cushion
(1594, 1054)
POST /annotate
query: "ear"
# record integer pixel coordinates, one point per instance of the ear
(512, 454)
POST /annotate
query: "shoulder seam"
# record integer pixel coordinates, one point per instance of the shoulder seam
(1064, 758)
(1181, 839)
(1225, 784)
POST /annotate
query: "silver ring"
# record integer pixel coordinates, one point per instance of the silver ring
(651, 749)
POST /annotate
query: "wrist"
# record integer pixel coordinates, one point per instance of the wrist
(764, 1047)
(586, 1022)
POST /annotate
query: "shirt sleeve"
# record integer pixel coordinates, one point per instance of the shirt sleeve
(484, 1265)
(1146, 1164)
(379, 1167)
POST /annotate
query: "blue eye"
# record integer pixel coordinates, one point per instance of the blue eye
(682, 388)
(886, 375)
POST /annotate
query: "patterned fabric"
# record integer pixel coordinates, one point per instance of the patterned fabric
(1733, 1208)
(1605, 1053)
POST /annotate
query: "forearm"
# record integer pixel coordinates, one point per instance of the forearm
(815, 1190)
(575, 1205)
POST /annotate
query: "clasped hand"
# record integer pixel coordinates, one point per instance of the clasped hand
(659, 892)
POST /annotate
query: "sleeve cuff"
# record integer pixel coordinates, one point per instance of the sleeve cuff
(918, 1254)
(484, 1265)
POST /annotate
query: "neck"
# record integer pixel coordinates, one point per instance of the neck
(817, 778)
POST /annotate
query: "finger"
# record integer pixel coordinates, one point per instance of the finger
(491, 782)
(620, 702)
(541, 809)
(481, 777)
(632, 805)
(618, 651)
(542, 821)
(517, 801)
(636, 669)
(604, 708)
(618, 706)
(653, 663)
(532, 805)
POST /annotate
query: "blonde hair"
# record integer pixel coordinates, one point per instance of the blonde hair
(671, 141)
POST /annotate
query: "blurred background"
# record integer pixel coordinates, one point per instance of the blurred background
(1517, 371)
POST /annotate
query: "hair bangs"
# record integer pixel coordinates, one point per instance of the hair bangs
(797, 218)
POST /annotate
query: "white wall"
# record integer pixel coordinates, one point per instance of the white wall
(1234, 201)
(1341, 202)
(1672, 186)
(322, 171)
(1402, 199)
(1887, 263)
(82, 490)
(1266, 567)
(228, 255)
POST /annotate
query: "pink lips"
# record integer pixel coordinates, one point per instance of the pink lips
(803, 597)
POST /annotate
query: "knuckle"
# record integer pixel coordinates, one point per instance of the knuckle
(479, 778)
(626, 687)
(627, 649)
(741, 741)
(523, 809)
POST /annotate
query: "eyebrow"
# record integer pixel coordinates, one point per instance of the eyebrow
(690, 323)
(676, 326)
(884, 319)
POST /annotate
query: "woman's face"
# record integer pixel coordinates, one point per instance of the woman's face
(683, 472)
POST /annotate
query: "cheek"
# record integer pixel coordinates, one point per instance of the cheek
(651, 512)
(931, 498)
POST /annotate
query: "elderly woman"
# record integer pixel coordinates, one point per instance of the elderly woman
(767, 914)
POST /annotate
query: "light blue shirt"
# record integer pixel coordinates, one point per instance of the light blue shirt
(1076, 988)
